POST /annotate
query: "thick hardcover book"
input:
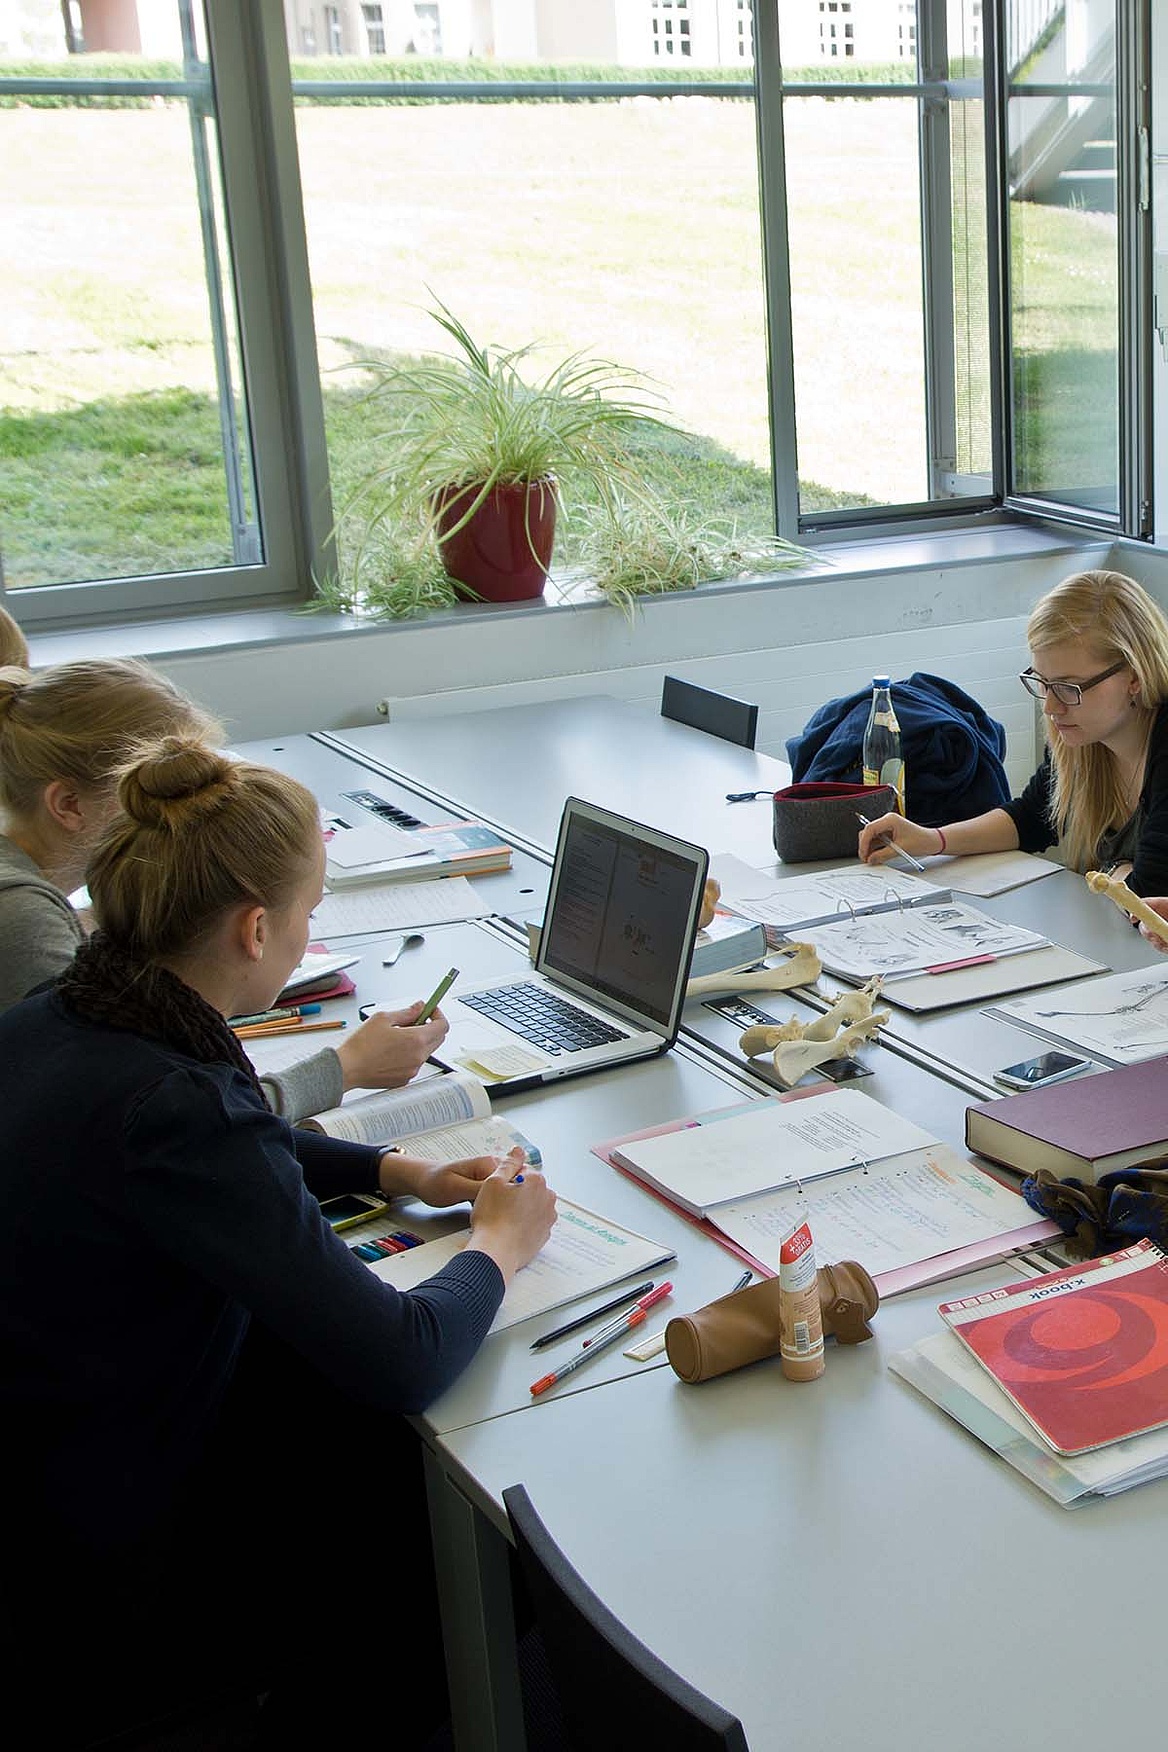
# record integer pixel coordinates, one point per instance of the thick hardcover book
(1082, 1352)
(1078, 1130)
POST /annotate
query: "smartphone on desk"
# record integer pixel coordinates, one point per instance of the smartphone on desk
(350, 1208)
(1034, 1073)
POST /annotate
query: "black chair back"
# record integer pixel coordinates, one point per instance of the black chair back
(615, 1696)
(717, 714)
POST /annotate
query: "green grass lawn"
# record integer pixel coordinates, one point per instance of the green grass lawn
(627, 229)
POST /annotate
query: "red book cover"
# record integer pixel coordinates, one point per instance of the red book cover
(1082, 1352)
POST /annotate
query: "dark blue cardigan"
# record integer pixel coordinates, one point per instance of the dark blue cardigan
(952, 748)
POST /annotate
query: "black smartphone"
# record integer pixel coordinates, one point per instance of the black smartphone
(1048, 1067)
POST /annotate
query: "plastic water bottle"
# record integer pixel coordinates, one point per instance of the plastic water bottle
(883, 764)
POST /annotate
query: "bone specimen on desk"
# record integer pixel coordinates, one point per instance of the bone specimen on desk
(711, 895)
(851, 1007)
(794, 1058)
(1116, 889)
(803, 967)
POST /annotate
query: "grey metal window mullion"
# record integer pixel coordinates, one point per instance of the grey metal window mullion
(776, 268)
(1133, 47)
(937, 289)
(997, 248)
(246, 544)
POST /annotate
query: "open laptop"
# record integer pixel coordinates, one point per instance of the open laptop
(609, 979)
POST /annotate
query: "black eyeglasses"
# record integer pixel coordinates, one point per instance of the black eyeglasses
(1067, 693)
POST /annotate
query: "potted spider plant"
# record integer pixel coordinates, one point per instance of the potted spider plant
(477, 448)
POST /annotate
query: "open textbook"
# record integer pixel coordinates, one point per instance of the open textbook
(443, 1118)
(875, 1187)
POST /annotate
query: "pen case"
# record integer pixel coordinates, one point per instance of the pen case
(819, 820)
(743, 1327)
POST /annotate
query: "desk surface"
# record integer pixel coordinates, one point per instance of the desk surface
(837, 1559)
(839, 1563)
(516, 765)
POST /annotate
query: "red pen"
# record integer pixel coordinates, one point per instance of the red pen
(601, 1340)
(632, 1316)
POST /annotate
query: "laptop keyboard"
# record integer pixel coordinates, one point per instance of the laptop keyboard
(539, 1016)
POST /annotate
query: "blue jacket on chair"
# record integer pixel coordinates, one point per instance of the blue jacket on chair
(952, 748)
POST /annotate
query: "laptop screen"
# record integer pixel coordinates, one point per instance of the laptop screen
(622, 911)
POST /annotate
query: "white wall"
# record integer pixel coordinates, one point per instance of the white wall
(787, 646)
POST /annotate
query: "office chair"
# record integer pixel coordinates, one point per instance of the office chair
(718, 714)
(613, 1692)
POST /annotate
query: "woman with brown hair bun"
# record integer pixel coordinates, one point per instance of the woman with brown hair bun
(195, 1367)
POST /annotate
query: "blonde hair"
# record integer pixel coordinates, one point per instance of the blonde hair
(80, 721)
(1120, 623)
(198, 833)
(13, 645)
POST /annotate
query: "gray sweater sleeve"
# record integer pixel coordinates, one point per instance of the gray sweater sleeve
(312, 1086)
(39, 934)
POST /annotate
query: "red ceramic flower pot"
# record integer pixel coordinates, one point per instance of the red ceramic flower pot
(503, 550)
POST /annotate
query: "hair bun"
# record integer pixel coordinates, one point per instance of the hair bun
(173, 778)
(13, 681)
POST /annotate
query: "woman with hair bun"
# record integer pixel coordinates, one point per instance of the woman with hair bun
(196, 1369)
(13, 645)
(63, 734)
(1099, 665)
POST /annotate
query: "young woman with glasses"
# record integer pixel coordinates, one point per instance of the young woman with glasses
(1099, 665)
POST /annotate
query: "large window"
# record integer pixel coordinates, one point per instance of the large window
(138, 429)
(880, 258)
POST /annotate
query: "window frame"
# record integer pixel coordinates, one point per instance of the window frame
(273, 308)
(267, 238)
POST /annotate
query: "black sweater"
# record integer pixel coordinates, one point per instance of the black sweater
(151, 1205)
(1031, 815)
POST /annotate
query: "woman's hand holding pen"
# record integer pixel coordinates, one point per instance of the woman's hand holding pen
(440, 1184)
(389, 1049)
(887, 836)
(513, 1217)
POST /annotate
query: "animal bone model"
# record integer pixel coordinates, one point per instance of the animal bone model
(798, 1047)
(1117, 890)
(803, 967)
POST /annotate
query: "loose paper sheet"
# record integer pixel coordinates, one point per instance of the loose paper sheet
(988, 873)
(395, 906)
(1120, 1020)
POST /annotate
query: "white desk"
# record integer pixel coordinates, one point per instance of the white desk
(830, 1561)
(839, 1563)
(515, 766)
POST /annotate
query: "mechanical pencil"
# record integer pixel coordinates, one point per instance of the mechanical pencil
(887, 840)
(620, 1301)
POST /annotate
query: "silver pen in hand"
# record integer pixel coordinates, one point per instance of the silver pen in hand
(887, 840)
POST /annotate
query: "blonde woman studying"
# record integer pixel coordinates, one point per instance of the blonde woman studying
(183, 1477)
(63, 733)
(1099, 665)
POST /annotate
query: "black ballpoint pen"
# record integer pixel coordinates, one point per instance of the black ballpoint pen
(624, 1299)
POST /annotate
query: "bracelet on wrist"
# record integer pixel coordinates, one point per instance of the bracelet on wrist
(941, 837)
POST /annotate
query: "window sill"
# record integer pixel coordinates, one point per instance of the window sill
(852, 562)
